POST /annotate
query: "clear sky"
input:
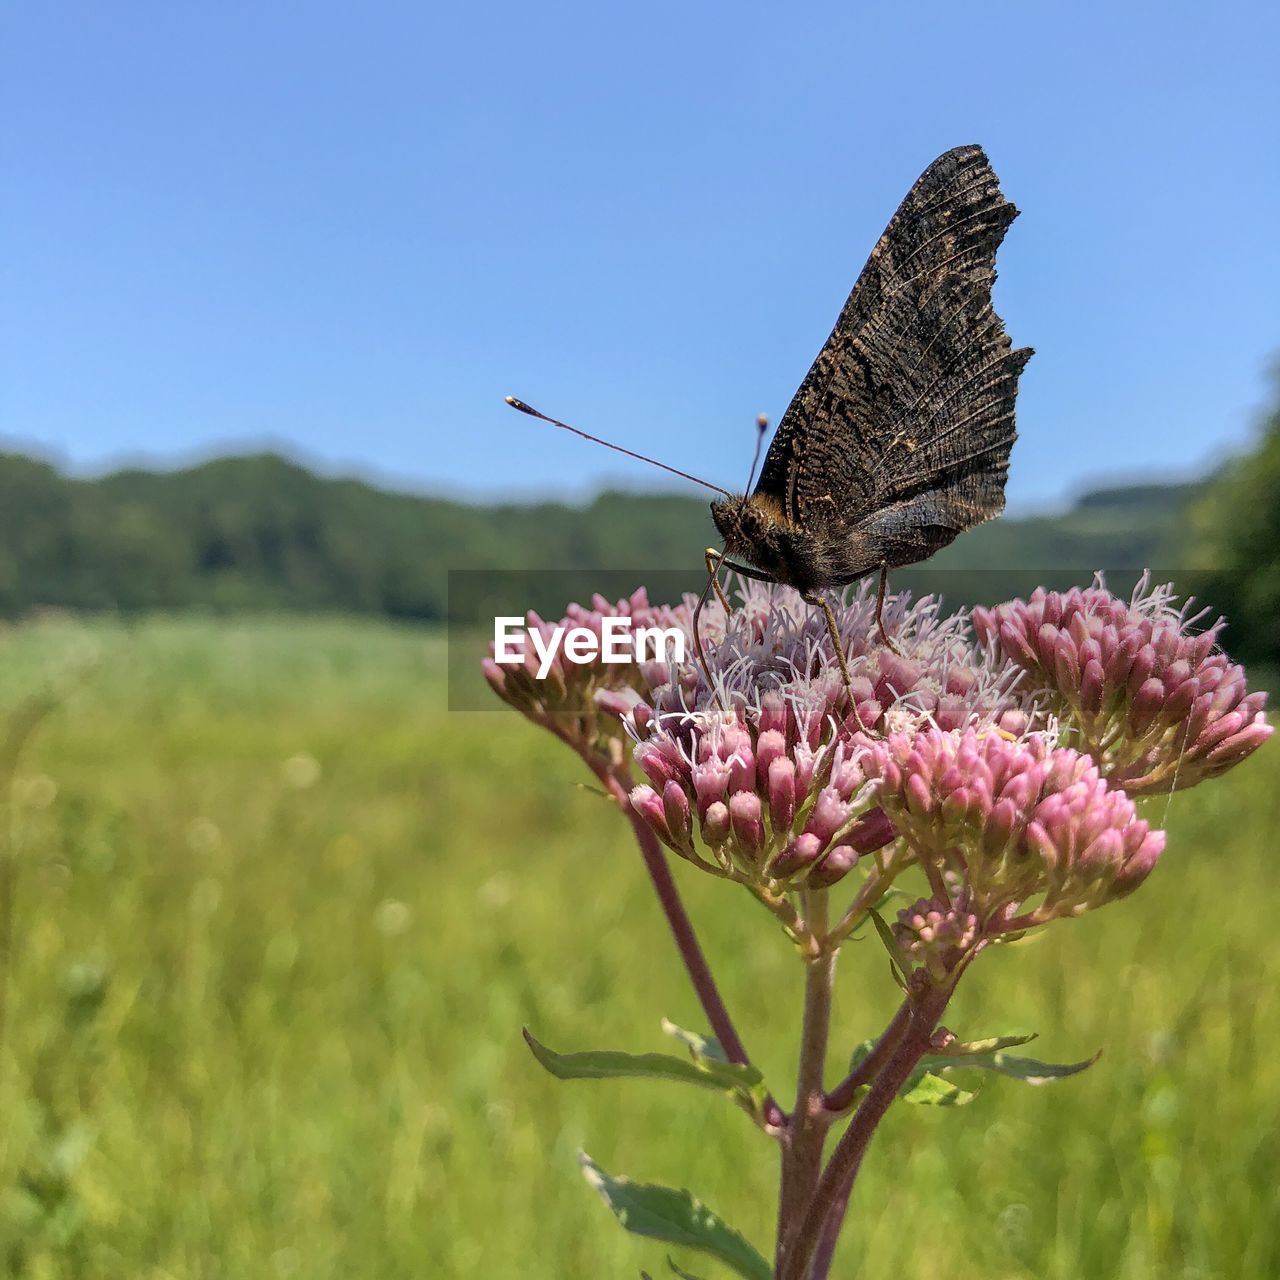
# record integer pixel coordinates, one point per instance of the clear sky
(352, 229)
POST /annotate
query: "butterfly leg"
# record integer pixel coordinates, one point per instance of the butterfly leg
(884, 635)
(834, 632)
(745, 569)
(715, 560)
(697, 635)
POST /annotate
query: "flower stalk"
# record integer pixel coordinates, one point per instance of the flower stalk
(804, 1137)
(991, 762)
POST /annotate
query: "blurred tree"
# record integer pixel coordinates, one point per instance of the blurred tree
(1235, 540)
(262, 533)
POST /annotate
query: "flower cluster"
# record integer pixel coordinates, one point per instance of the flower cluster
(999, 754)
(936, 934)
(1154, 702)
(1031, 831)
(765, 764)
(769, 798)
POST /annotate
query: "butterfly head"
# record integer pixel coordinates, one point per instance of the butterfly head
(754, 528)
(744, 520)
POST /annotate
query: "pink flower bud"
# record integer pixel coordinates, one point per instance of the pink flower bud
(710, 782)
(1178, 703)
(1092, 682)
(620, 703)
(742, 769)
(782, 794)
(1144, 663)
(1066, 661)
(648, 804)
(1145, 706)
(655, 763)
(675, 808)
(1000, 825)
(919, 800)
(872, 832)
(773, 714)
(834, 867)
(1238, 745)
(800, 853)
(1139, 866)
(715, 824)
(744, 819)
(829, 814)
(770, 746)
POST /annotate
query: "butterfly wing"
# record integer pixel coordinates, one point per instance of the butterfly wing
(913, 393)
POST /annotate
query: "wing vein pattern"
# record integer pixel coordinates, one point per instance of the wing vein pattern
(911, 400)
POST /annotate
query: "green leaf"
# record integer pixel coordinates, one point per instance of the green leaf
(1027, 1069)
(925, 1089)
(662, 1213)
(607, 1064)
(992, 1044)
(859, 1053)
(900, 962)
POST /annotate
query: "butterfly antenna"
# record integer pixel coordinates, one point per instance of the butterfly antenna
(617, 448)
(762, 425)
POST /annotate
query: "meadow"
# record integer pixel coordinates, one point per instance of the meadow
(275, 918)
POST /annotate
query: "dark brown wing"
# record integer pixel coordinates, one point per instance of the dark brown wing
(914, 391)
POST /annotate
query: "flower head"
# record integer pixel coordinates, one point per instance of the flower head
(936, 934)
(1153, 701)
(999, 755)
(1031, 831)
(764, 764)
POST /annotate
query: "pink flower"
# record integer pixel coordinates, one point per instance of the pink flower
(768, 756)
(936, 934)
(1155, 703)
(1030, 831)
(1000, 758)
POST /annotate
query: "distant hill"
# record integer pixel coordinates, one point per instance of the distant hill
(262, 532)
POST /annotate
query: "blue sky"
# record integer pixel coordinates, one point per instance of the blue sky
(351, 230)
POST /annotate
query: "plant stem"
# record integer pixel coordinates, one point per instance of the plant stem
(695, 961)
(842, 1096)
(805, 1138)
(825, 1215)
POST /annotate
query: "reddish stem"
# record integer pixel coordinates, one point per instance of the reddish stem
(841, 1098)
(822, 1223)
(695, 961)
(803, 1142)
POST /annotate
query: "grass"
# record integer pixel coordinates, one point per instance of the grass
(278, 917)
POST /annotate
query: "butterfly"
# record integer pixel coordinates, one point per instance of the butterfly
(899, 437)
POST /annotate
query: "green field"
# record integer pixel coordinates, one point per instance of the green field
(277, 918)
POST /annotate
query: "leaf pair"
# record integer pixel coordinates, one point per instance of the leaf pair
(677, 1216)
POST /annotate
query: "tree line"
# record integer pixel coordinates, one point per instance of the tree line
(262, 532)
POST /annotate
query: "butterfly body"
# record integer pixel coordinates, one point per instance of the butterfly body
(899, 437)
(832, 553)
(754, 529)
